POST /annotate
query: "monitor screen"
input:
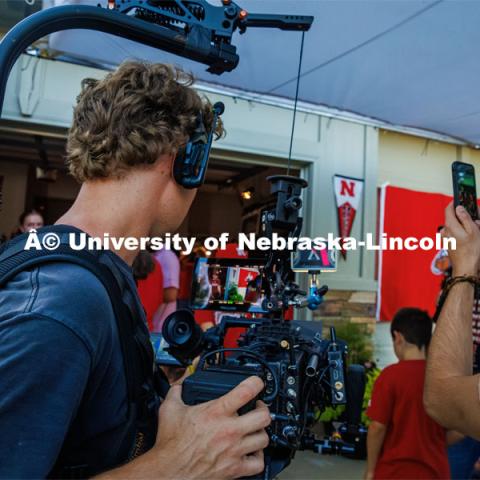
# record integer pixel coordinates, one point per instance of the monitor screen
(227, 284)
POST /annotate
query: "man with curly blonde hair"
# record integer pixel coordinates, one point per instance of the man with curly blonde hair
(61, 365)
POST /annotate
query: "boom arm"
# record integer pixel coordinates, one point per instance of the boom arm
(193, 29)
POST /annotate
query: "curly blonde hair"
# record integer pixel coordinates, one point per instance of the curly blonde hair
(131, 117)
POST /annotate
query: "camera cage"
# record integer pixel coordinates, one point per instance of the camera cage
(301, 369)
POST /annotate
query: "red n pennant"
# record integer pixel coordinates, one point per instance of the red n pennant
(348, 192)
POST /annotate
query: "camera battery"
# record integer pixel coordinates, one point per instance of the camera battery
(212, 383)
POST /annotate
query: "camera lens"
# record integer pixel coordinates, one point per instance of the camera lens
(183, 335)
(182, 332)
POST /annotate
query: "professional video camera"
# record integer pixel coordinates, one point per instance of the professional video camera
(302, 371)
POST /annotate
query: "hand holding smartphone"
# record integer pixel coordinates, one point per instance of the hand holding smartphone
(464, 188)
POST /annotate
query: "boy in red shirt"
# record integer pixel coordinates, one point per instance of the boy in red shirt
(403, 441)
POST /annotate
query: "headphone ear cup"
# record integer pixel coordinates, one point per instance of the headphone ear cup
(178, 167)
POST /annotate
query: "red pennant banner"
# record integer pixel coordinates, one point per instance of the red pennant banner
(348, 192)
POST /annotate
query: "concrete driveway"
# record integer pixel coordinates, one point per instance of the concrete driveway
(312, 466)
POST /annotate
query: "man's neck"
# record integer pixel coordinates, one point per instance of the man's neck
(121, 208)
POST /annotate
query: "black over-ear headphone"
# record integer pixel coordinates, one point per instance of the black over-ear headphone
(191, 162)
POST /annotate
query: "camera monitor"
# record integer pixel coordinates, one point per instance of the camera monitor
(233, 285)
(314, 260)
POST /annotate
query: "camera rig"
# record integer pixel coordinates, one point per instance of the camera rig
(303, 372)
(193, 29)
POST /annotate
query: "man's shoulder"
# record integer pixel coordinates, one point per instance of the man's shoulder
(66, 293)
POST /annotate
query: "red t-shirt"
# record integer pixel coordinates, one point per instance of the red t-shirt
(150, 291)
(415, 446)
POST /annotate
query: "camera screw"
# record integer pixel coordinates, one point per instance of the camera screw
(291, 380)
(292, 393)
(284, 344)
(269, 376)
(290, 408)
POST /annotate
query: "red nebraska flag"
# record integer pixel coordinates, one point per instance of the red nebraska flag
(348, 192)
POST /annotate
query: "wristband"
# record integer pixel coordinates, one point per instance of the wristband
(474, 280)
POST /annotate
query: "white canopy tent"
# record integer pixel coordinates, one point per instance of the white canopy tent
(412, 63)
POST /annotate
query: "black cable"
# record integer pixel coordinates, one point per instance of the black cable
(357, 47)
(295, 103)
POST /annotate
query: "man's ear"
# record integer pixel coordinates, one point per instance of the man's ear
(398, 337)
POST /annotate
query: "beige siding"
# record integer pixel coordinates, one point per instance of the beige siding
(420, 164)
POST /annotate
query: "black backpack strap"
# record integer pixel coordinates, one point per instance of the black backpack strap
(16, 259)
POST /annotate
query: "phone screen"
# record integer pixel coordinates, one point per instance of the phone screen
(464, 187)
(227, 284)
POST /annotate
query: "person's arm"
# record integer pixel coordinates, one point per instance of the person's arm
(209, 440)
(375, 438)
(451, 395)
(170, 265)
(165, 309)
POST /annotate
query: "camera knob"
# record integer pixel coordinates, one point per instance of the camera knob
(292, 393)
(289, 432)
(293, 204)
(230, 12)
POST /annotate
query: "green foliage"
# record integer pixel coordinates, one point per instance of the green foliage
(330, 414)
(372, 375)
(359, 341)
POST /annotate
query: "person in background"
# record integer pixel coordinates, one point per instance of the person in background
(462, 456)
(170, 265)
(187, 265)
(149, 279)
(29, 220)
(451, 388)
(403, 441)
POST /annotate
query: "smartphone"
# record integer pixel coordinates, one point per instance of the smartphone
(464, 188)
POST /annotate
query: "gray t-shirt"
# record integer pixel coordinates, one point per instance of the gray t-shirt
(61, 367)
